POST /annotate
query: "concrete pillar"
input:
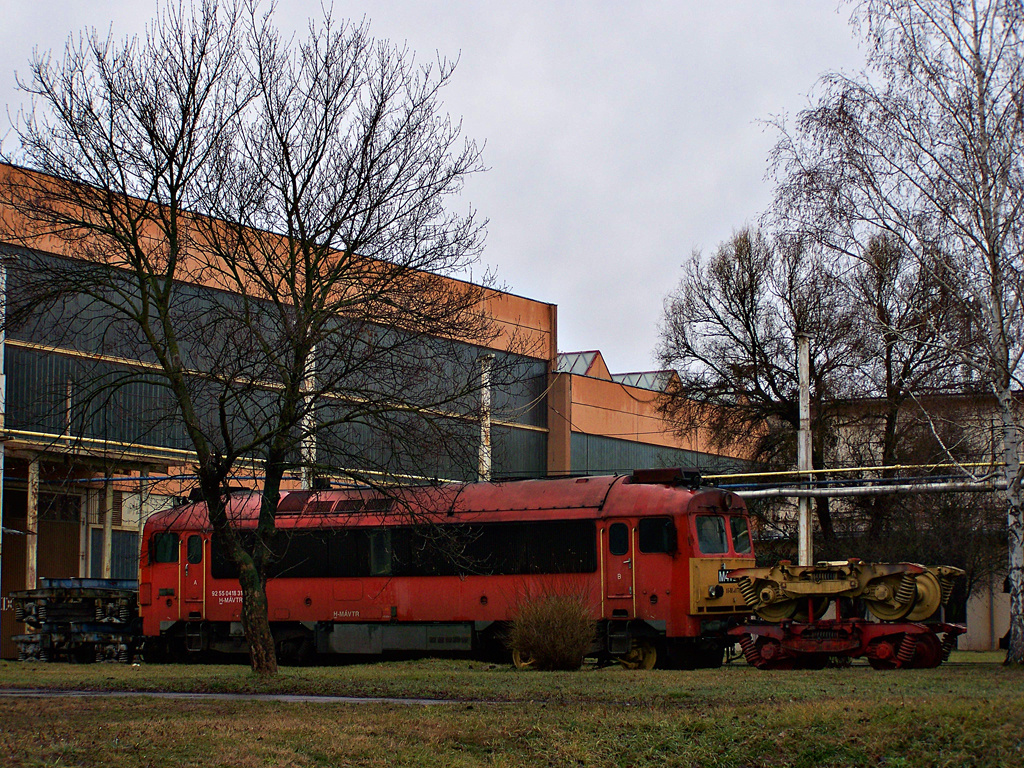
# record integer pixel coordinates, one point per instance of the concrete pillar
(559, 424)
(108, 526)
(143, 499)
(83, 536)
(32, 526)
(484, 453)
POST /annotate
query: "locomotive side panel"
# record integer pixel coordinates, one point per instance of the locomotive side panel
(354, 580)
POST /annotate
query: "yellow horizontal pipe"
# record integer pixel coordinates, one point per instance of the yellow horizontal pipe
(69, 441)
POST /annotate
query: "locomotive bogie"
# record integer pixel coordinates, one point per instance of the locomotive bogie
(79, 620)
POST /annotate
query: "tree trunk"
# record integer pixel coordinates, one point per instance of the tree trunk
(1014, 525)
(256, 622)
(879, 507)
(255, 610)
(824, 515)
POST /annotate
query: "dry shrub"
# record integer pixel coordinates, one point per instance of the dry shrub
(552, 631)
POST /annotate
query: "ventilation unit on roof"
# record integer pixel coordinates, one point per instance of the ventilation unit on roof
(671, 476)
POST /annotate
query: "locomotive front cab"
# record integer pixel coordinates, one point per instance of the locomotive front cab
(719, 531)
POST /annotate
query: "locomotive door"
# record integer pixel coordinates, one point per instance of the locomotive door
(619, 580)
(193, 578)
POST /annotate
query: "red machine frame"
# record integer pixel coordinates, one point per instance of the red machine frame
(817, 642)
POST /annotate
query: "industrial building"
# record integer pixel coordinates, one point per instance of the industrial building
(74, 498)
(76, 492)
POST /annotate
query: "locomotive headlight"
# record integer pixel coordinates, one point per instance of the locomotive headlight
(715, 591)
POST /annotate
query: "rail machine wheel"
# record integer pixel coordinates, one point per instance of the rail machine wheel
(522, 660)
(643, 655)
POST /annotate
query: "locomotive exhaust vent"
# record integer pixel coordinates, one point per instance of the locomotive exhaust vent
(672, 476)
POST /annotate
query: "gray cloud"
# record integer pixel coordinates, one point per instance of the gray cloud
(620, 136)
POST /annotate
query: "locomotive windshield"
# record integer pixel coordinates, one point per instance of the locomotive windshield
(711, 536)
(740, 535)
(714, 535)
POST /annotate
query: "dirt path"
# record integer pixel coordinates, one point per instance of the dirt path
(42, 693)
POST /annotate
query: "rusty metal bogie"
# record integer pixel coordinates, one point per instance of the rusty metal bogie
(792, 600)
(890, 591)
(904, 645)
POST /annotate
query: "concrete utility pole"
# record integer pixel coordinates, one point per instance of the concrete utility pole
(805, 554)
(484, 467)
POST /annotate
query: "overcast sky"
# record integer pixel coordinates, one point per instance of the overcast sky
(620, 136)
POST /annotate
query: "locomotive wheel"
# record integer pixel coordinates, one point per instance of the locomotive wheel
(882, 653)
(771, 656)
(522, 660)
(643, 655)
(776, 612)
(887, 612)
(929, 597)
(928, 653)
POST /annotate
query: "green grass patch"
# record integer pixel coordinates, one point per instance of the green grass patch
(959, 714)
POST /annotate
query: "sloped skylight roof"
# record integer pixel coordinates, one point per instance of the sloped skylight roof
(657, 381)
(576, 363)
(582, 364)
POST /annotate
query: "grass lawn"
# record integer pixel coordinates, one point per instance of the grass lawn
(969, 712)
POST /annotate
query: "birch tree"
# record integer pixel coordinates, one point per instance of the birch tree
(927, 149)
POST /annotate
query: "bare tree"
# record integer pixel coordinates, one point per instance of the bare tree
(905, 314)
(960, 529)
(877, 323)
(927, 148)
(262, 223)
(730, 329)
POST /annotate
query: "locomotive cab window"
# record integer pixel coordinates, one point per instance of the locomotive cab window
(711, 537)
(657, 534)
(740, 535)
(618, 539)
(222, 564)
(380, 552)
(163, 548)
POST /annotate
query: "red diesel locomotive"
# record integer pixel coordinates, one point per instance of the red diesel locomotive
(443, 569)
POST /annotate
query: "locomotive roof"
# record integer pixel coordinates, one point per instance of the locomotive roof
(564, 498)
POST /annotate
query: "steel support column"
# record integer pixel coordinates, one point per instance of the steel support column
(32, 526)
(108, 526)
